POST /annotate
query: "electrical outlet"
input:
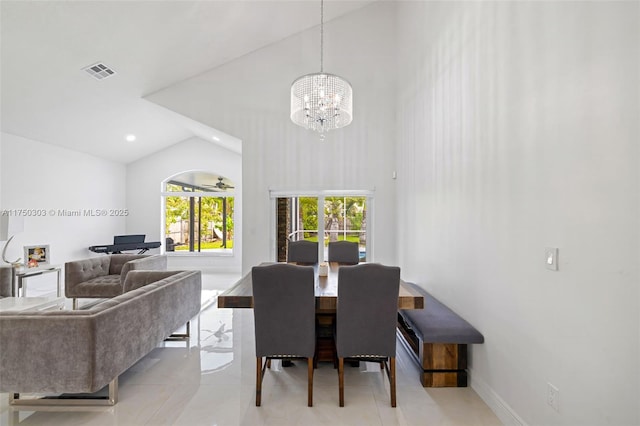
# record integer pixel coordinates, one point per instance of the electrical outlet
(553, 397)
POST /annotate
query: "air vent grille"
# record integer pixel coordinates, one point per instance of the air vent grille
(99, 71)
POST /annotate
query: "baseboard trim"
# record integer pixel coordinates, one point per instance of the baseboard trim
(499, 407)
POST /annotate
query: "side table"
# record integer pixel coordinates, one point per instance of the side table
(21, 274)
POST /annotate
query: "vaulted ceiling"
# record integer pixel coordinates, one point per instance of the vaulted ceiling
(47, 96)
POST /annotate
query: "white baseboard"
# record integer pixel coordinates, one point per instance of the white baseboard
(500, 408)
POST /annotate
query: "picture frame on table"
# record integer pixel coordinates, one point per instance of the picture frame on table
(35, 256)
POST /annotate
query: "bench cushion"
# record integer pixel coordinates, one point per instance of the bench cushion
(436, 323)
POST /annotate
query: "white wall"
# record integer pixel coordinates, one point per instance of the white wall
(518, 130)
(1, 149)
(144, 187)
(249, 98)
(47, 178)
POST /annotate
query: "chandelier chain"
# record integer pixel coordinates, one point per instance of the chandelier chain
(321, 35)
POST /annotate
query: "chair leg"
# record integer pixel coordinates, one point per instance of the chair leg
(341, 380)
(392, 379)
(310, 381)
(258, 381)
(75, 304)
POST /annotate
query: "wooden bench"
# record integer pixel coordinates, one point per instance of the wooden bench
(437, 338)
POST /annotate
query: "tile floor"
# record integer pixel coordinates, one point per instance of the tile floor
(211, 381)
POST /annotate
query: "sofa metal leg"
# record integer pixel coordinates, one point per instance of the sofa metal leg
(69, 399)
(75, 304)
(181, 336)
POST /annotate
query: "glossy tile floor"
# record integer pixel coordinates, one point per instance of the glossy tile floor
(211, 381)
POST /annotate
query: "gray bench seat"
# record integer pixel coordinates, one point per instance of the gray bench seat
(437, 337)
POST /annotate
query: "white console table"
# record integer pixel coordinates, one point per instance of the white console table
(22, 273)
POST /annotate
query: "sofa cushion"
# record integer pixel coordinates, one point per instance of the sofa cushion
(102, 286)
(436, 323)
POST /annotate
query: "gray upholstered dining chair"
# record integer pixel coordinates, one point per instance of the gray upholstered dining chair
(284, 308)
(366, 318)
(344, 252)
(303, 252)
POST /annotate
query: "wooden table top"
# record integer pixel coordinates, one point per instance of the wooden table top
(326, 290)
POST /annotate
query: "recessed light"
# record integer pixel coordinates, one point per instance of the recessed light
(130, 138)
(215, 138)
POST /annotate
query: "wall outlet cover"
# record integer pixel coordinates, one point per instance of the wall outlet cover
(553, 397)
(551, 258)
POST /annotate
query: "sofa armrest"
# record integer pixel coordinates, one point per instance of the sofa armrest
(137, 279)
(57, 346)
(79, 271)
(118, 260)
(156, 262)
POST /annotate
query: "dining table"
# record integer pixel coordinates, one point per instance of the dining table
(240, 295)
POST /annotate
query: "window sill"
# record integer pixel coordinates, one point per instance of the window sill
(216, 253)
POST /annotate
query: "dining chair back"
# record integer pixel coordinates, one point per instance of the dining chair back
(344, 252)
(284, 315)
(366, 318)
(303, 252)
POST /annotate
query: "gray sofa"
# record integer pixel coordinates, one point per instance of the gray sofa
(6, 277)
(104, 276)
(78, 351)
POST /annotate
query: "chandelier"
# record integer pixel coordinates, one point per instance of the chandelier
(321, 101)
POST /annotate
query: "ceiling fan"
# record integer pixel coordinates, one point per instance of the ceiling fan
(221, 185)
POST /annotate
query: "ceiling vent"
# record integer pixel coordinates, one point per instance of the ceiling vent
(99, 71)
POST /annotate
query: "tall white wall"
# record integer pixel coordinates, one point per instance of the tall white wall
(144, 188)
(518, 130)
(249, 99)
(47, 178)
(1, 149)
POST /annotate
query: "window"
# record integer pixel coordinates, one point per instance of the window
(198, 214)
(346, 219)
(342, 217)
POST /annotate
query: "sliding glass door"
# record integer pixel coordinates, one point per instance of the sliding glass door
(322, 218)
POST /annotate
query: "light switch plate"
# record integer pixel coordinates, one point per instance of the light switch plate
(551, 258)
